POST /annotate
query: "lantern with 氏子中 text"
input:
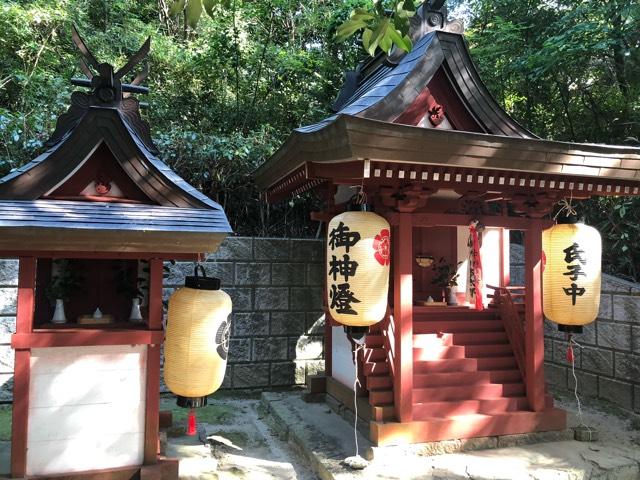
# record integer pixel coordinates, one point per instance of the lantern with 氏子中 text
(358, 259)
(197, 340)
(572, 255)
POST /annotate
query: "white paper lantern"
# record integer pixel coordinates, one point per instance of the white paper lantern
(571, 276)
(197, 340)
(358, 262)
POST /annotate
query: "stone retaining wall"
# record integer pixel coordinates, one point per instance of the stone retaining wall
(276, 288)
(608, 364)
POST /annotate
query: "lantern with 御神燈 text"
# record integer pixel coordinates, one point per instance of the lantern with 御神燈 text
(197, 340)
(358, 260)
(571, 276)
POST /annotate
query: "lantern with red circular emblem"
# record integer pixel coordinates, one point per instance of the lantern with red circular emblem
(358, 263)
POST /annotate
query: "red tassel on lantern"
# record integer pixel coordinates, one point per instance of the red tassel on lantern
(570, 357)
(191, 423)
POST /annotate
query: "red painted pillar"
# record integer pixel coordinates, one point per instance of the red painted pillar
(505, 258)
(21, 375)
(403, 317)
(534, 320)
(152, 422)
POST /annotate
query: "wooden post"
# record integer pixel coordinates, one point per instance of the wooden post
(152, 426)
(21, 375)
(403, 317)
(534, 333)
(505, 258)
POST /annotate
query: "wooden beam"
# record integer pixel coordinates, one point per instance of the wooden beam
(456, 220)
(83, 337)
(534, 320)
(22, 367)
(102, 255)
(403, 317)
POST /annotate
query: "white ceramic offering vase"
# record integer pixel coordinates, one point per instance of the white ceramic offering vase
(136, 315)
(58, 314)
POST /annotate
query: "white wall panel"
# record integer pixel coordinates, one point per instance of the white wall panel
(342, 367)
(86, 409)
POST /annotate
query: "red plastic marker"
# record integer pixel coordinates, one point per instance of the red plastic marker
(191, 423)
(570, 357)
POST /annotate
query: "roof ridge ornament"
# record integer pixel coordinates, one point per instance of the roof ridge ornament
(107, 91)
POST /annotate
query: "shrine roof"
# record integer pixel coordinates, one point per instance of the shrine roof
(351, 148)
(42, 225)
(101, 171)
(417, 112)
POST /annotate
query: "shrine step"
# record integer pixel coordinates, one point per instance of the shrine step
(497, 363)
(488, 407)
(447, 365)
(467, 426)
(468, 392)
(457, 326)
(438, 352)
(479, 338)
(380, 397)
(465, 378)
(379, 382)
(376, 368)
(375, 355)
(374, 340)
(451, 313)
(488, 350)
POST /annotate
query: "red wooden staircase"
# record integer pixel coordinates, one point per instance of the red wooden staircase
(466, 381)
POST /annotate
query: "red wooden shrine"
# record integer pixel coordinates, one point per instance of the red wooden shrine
(86, 392)
(433, 151)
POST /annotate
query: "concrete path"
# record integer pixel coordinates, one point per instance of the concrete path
(325, 439)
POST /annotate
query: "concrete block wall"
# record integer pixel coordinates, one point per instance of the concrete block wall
(277, 320)
(8, 294)
(608, 364)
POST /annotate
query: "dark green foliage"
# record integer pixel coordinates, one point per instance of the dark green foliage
(223, 96)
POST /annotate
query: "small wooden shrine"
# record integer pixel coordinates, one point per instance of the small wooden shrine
(443, 163)
(92, 220)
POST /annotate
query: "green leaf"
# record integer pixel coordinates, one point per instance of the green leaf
(208, 6)
(348, 28)
(366, 38)
(176, 7)
(376, 36)
(193, 12)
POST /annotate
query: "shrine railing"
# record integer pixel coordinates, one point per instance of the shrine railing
(503, 299)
